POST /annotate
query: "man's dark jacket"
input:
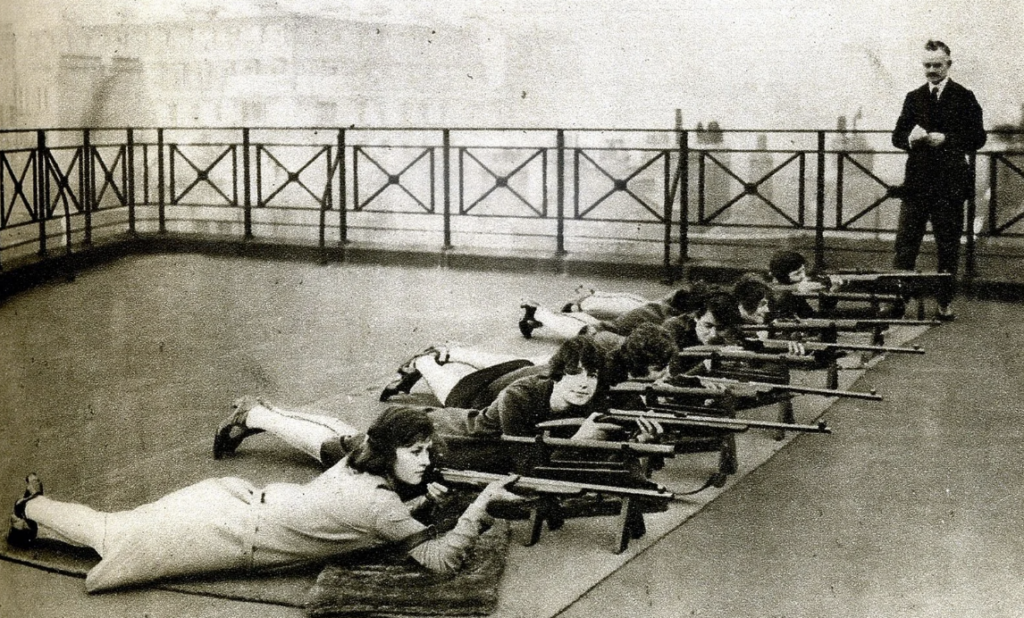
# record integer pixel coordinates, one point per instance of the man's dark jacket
(940, 172)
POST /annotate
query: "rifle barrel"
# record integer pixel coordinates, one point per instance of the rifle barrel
(668, 389)
(848, 324)
(734, 424)
(814, 346)
(597, 445)
(865, 276)
(792, 388)
(840, 295)
(542, 485)
(725, 354)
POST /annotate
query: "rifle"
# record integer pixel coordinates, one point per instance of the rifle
(535, 485)
(632, 448)
(843, 324)
(550, 491)
(870, 297)
(672, 418)
(655, 388)
(731, 353)
(866, 275)
(819, 346)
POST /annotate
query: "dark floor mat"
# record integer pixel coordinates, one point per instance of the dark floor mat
(399, 587)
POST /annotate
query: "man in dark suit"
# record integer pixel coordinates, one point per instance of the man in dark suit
(940, 124)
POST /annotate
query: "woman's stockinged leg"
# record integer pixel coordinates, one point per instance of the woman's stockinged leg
(306, 432)
(610, 305)
(565, 325)
(442, 378)
(68, 522)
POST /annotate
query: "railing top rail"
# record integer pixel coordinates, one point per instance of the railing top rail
(996, 130)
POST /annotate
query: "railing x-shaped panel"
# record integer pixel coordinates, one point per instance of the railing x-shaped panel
(13, 187)
(294, 177)
(203, 175)
(499, 181)
(995, 226)
(108, 172)
(751, 188)
(841, 159)
(391, 179)
(61, 177)
(619, 184)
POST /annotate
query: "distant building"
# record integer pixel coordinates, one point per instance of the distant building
(286, 70)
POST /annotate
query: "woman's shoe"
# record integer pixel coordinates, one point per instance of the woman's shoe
(233, 430)
(528, 322)
(23, 530)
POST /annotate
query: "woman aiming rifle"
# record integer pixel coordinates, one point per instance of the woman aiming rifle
(228, 524)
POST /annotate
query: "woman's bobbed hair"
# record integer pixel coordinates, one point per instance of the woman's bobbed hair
(396, 427)
(783, 263)
(580, 353)
(649, 345)
(750, 289)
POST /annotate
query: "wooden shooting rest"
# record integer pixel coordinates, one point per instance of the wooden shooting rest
(588, 462)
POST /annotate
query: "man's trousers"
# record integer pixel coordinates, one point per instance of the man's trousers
(947, 218)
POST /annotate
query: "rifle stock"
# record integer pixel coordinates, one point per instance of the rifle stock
(530, 484)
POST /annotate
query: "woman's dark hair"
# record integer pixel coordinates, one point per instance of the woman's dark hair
(574, 356)
(689, 297)
(397, 426)
(750, 289)
(647, 346)
(724, 307)
(783, 263)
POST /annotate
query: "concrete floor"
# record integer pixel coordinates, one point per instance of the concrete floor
(112, 386)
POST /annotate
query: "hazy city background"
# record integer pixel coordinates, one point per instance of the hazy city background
(526, 63)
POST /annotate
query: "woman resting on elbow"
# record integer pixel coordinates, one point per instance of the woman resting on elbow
(227, 524)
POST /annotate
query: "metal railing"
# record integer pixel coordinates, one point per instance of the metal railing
(649, 194)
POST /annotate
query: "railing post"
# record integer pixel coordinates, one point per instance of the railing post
(88, 184)
(324, 206)
(130, 181)
(669, 198)
(993, 224)
(819, 224)
(839, 189)
(39, 186)
(342, 191)
(246, 188)
(970, 267)
(560, 191)
(161, 197)
(447, 186)
(684, 198)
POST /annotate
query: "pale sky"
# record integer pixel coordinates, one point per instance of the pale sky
(750, 63)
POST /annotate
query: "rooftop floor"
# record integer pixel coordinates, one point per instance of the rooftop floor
(114, 383)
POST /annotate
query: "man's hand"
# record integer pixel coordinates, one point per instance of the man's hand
(917, 134)
(936, 139)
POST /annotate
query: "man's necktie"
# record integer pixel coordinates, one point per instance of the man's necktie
(935, 96)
